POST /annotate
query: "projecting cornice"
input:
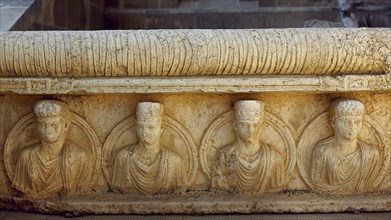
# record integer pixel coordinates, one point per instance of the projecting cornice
(146, 53)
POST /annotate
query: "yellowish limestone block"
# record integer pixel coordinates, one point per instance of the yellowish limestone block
(196, 121)
(194, 52)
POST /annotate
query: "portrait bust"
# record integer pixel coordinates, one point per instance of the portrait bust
(248, 165)
(342, 162)
(147, 167)
(54, 166)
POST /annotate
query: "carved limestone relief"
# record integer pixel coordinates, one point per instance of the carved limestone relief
(249, 151)
(51, 152)
(194, 52)
(343, 151)
(149, 153)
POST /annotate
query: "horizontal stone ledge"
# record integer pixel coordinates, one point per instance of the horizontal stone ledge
(201, 203)
(244, 52)
(101, 85)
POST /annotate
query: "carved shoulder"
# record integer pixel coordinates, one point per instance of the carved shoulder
(321, 148)
(370, 150)
(26, 152)
(227, 150)
(125, 152)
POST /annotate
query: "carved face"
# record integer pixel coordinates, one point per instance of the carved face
(348, 127)
(51, 128)
(149, 132)
(247, 131)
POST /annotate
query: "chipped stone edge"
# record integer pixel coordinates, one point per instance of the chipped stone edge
(343, 83)
(197, 206)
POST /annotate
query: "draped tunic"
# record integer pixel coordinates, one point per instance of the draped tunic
(259, 173)
(337, 173)
(37, 176)
(165, 174)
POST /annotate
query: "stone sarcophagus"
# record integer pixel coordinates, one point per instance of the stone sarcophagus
(196, 121)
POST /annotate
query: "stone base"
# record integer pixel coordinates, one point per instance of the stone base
(202, 203)
(305, 113)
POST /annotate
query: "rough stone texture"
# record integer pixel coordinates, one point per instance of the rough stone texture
(146, 142)
(196, 203)
(12, 214)
(195, 52)
(150, 85)
(206, 120)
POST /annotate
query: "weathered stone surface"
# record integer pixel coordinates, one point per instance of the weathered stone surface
(109, 85)
(248, 164)
(344, 163)
(151, 165)
(194, 52)
(201, 203)
(206, 144)
(196, 126)
(56, 164)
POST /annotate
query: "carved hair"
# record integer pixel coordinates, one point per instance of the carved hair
(249, 110)
(51, 108)
(346, 107)
(149, 111)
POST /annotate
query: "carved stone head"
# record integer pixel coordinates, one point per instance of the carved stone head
(149, 121)
(53, 119)
(347, 117)
(248, 119)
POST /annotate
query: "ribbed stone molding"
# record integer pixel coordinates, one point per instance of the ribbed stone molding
(194, 52)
